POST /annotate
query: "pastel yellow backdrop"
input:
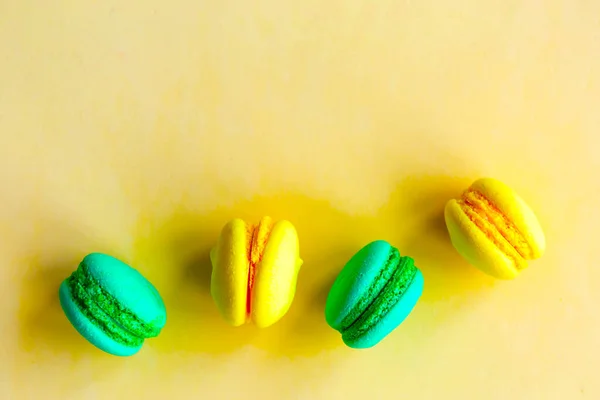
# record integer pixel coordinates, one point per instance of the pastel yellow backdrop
(139, 128)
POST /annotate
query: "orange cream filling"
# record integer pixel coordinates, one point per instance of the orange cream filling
(258, 235)
(496, 226)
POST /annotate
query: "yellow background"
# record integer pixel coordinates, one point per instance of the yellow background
(139, 128)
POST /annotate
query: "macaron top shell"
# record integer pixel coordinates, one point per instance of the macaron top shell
(276, 276)
(255, 269)
(229, 282)
(517, 214)
(360, 279)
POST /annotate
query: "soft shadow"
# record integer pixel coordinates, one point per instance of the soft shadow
(179, 248)
(447, 274)
(45, 333)
(44, 326)
(450, 282)
(173, 253)
(412, 220)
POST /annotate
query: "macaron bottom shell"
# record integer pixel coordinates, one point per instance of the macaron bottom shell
(390, 320)
(88, 329)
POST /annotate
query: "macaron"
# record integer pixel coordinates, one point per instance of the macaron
(112, 305)
(493, 228)
(254, 271)
(373, 294)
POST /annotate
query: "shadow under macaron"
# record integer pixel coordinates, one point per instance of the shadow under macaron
(415, 224)
(305, 321)
(447, 274)
(44, 327)
(412, 220)
(194, 323)
(173, 253)
(451, 284)
(46, 337)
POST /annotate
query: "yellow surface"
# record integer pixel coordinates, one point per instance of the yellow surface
(139, 128)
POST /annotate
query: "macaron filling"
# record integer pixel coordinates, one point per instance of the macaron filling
(496, 226)
(98, 317)
(258, 236)
(402, 274)
(103, 310)
(385, 275)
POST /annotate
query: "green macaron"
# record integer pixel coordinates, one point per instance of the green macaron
(373, 294)
(112, 305)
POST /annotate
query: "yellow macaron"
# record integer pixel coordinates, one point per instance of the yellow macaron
(494, 229)
(254, 271)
